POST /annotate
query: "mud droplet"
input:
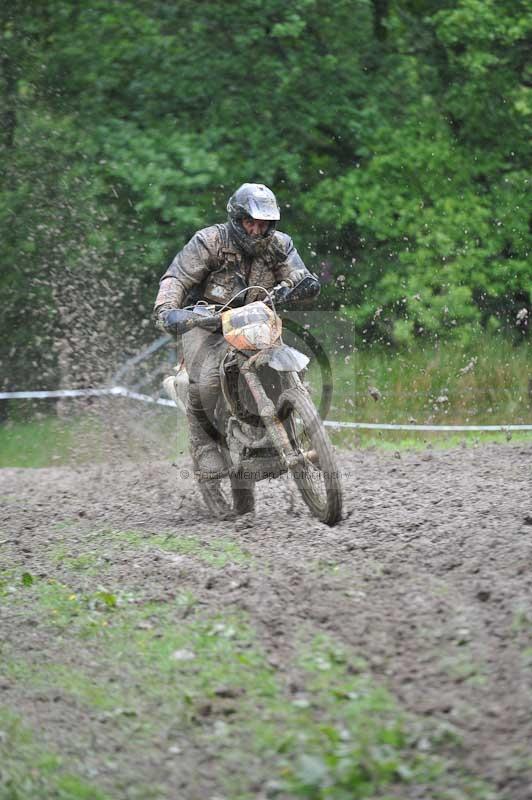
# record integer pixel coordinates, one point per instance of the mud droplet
(183, 655)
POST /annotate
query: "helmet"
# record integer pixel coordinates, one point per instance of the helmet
(253, 200)
(258, 202)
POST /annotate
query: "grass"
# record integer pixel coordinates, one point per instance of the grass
(93, 436)
(161, 679)
(217, 553)
(487, 384)
(90, 562)
(37, 443)
(28, 771)
(418, 440)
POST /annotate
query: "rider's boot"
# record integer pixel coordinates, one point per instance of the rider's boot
(243, 497)
(208, 461)
(209, 466)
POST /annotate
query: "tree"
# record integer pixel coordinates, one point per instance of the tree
(396, 134)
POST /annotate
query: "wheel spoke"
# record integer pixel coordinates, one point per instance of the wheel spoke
(315, 471)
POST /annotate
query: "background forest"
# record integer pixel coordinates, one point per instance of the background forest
(396, 134)
(147, 650)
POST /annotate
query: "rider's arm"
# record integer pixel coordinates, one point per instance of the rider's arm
(290, 269)
(188, 269)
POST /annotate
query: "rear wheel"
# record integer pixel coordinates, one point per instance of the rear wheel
(216, 499)
(229, 497)
(243, 493)
(316, 474)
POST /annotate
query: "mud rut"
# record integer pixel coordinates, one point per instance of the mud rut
(432, 560)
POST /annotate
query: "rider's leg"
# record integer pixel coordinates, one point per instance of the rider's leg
(203, 353)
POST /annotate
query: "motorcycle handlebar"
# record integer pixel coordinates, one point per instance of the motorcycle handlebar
(182, 320)
(199, 316)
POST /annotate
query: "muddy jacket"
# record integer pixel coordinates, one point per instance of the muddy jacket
(211, 267)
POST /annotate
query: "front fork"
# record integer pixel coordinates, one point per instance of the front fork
(268, 414)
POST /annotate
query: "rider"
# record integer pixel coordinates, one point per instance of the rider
(217, 262)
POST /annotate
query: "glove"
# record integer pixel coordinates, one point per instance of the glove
(281, 293)
(179, 320)
(175, 320)
(297, 275)
(307, 288)
(211, 323)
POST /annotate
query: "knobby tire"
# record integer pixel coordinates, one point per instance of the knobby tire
(326, 505)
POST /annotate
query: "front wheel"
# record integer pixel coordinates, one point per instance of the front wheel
(316, 474)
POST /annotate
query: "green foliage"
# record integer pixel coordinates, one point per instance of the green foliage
(433, 213)
(40, 440)
(362, 745)
(151, 671)
(29, 771)
(483, 383)
(396, 135)
(481, 380)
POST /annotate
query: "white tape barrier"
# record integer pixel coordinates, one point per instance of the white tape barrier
(145, 398)
(121, 391)
(115, 391)
(378, 426)
(59, 393)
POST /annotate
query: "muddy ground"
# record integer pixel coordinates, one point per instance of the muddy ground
(428, 578)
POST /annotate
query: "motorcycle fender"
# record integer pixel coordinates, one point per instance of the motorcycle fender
(287, 359)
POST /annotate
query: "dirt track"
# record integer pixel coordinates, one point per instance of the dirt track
(428, 578)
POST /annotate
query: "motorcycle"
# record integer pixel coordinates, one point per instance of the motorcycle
(266, 420)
